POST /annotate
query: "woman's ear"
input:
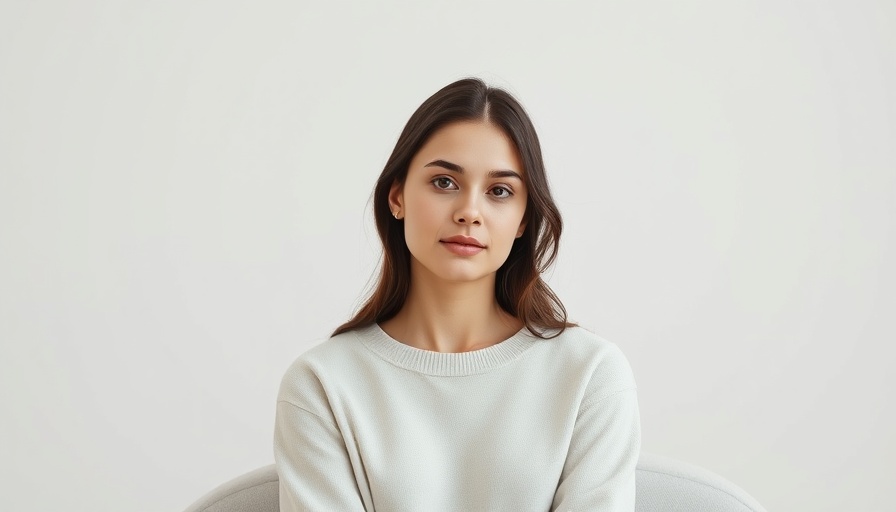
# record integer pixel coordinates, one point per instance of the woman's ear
(396, 199)
(522, 228)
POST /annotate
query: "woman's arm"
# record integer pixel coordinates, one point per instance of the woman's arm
(313, 464)
(599, 472)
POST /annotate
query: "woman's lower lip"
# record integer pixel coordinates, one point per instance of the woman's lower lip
(462, 249)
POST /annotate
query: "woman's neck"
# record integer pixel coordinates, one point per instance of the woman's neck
(451, 317)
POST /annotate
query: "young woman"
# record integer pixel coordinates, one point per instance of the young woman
(459, 385)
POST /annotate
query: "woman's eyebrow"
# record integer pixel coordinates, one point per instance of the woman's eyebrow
(497, 173)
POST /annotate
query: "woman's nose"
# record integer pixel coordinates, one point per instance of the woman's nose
(467, 211)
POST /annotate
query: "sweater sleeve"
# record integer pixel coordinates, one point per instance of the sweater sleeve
(599, 472)
(312, 462)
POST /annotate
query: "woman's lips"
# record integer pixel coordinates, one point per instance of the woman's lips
(462, 245)
(462, 249)
(461, 239)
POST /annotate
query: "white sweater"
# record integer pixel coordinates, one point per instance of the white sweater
(365, 422)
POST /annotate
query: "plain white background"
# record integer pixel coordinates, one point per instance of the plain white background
(184, 209)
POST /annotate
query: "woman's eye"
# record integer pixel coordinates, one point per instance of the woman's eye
(443, 183)
(501, 192)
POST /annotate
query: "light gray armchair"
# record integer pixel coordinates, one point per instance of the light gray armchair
(663, 485)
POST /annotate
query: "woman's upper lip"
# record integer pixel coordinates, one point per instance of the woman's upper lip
(459, 239)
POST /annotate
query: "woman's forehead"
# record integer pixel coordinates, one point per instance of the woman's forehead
(474, 146)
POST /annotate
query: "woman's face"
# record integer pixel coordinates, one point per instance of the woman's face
(462, 203)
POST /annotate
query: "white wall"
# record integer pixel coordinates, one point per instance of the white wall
(184, 209)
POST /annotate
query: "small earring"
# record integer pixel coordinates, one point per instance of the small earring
(395, 214)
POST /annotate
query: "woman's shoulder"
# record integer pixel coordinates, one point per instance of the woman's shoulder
(328, 349)
(582, 342)
(333, 352)
(328, 360)
(594, 355)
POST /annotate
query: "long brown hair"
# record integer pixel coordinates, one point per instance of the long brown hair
(519, 288)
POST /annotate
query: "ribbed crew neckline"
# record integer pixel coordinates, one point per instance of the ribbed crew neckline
(444, 364)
